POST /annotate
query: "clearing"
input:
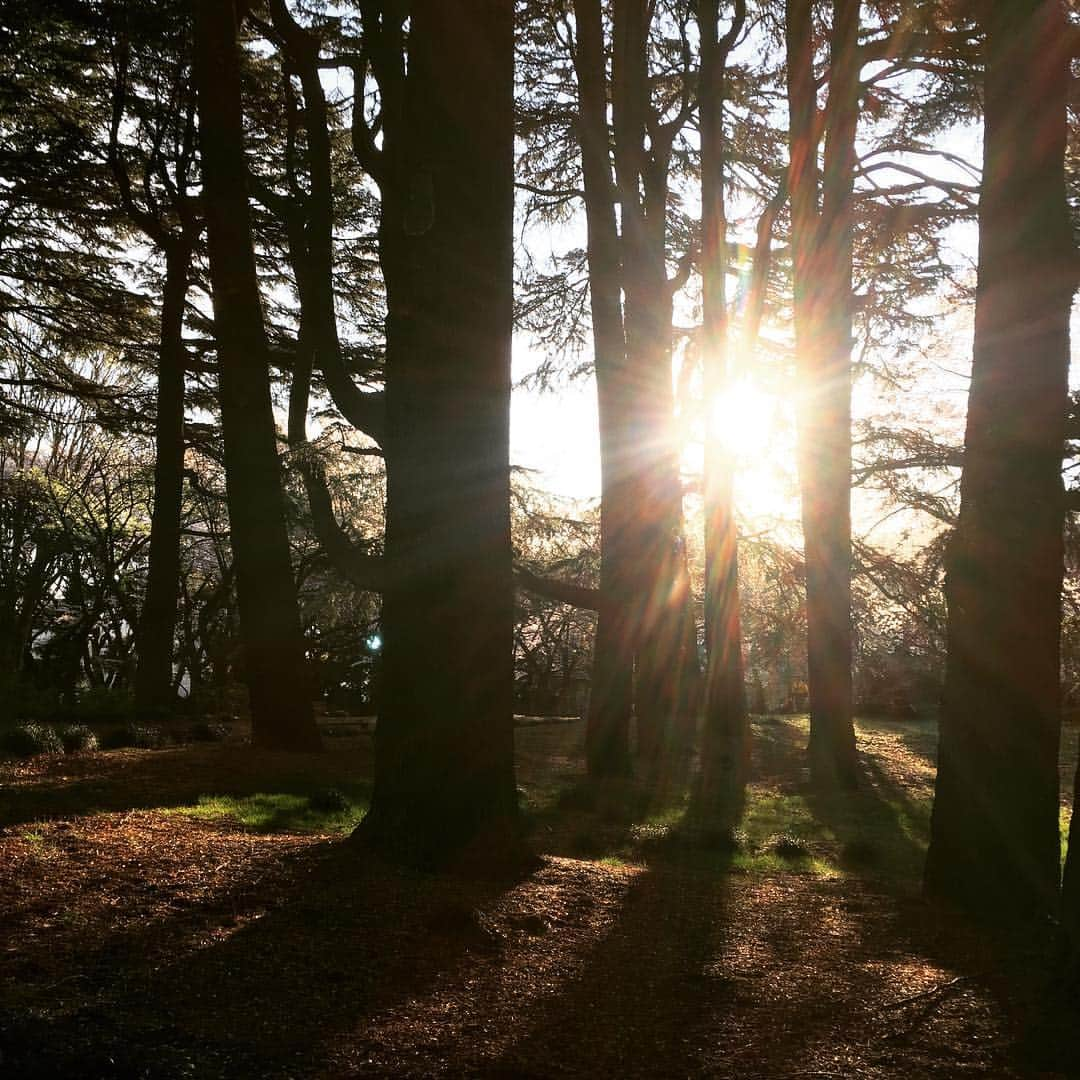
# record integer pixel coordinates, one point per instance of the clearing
(198, 912)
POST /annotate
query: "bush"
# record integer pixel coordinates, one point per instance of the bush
(141, 736)
(29, 739)
(98, 703)
(76, 737)
(329, 801)
(21, 700)
(788, 846)
(207, 731)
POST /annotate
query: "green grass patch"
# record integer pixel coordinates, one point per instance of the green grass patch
(283, 812)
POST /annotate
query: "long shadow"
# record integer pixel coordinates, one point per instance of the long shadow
(637, 1005)
(878, 828)
(148, 779)
(252, 984)
(615, 817)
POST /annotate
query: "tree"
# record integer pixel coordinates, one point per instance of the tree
(150, 51)
(611, 698)
(725, 698)
(994, 847)
(444, 769)
(274, 665)
(821, 243)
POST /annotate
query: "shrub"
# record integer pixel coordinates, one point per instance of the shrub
(77, 737)
(141, 736)
(788, 847)
(207, 731)
(20, 700)
(329, 801)
(102, 704)
(29, 739)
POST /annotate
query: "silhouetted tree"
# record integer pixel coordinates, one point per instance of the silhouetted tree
(444, 769)
(274, 665)
(821, 243)
(725, 729)
(994, 846)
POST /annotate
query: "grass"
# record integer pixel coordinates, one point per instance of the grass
(284, 812)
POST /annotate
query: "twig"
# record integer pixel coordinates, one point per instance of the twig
(939, 988)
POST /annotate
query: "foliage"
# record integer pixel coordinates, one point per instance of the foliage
(207, 731)
(139, 736)
(29, 739)
(76, 737)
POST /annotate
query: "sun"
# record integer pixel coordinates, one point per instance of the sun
(744, 419)
(756, 429)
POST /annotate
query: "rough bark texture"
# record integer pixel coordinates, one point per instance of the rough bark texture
(274, 665)
(154, 691)
(611, 699)
(444, 742)
(653, 551)
(821, 252)
(994, 846)
(725, 730)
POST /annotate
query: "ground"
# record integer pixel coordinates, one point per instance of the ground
(200, 912)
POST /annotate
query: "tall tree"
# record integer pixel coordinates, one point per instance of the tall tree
(611, 699)
(151, 85)
(821, 245)
(725, 698)
(994, 847)
(274, 664)
(444, 742)
(642, 153)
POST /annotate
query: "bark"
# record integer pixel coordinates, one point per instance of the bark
(652, 535)
(19, 606)
(725, 731)
(274, 664)
(154, 691)
(364, 410)
(607, 739)
(444, 742)
(821, 252)
(994, 847)
(1070, 892)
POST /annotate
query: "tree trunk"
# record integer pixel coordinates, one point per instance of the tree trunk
(821, 252)
(611, 701)
(444, 773)
(274, 664)
(153, 675)
(725, 732)
(653, 537)
(994, 847)
(1070, 891)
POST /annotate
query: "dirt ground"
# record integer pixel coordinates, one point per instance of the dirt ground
(139, 941)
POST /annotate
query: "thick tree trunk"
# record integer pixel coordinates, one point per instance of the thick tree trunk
(611, 700)
(153, 676)
(994, 847)
(274, 664)
(444, 771)
(725, 730)
(821, 252)
(653, 537)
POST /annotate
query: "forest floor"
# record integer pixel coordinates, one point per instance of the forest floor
(199, 912)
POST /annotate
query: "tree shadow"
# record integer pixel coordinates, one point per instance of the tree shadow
(254, 983)
(634, 1006)
(85, 784)
(875, 831)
